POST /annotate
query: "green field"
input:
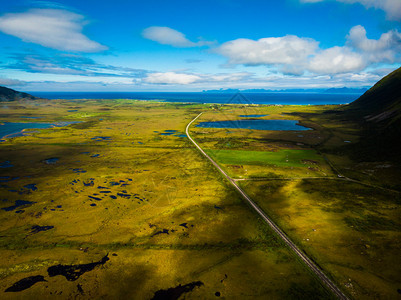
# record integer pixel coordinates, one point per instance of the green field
(281, 158)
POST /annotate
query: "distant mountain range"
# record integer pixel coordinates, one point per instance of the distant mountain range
(7, 94)
(343, 90)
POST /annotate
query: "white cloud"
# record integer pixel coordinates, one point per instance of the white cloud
(392, 8)
(190, 78)
(230, 77)
(43, 66)
(385, 49)
(289, 49)
(171, 78)
(336, 60)
(11, 82)
(295, 56)
(169, 36)
(53, 28)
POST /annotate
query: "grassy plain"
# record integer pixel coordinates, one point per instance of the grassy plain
(351, 229)
(150, 202)
(127, 184)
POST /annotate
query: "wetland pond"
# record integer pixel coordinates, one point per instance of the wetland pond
(10, 129)
(252, 116)
(173, 132)
(256, 124)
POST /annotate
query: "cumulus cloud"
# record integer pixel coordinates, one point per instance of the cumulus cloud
(289, 49)
(385, 49)
(336, 60)
(11, 82)
(294, 55)
(52, 28)
(169, 36)
(392, 8)
(189, 78)
(171, 78)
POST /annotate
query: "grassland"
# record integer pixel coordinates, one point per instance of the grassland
(150, 202)
(350, 226)
(281, 158)
(352, 231)
(279, 163)
(128, 185)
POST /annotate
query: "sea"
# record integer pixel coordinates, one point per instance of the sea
(209, 97)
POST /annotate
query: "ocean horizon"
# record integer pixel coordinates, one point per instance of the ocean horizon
(202, 97)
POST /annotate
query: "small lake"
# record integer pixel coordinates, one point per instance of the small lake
(252, 116)
(256, 124)
(10, 129)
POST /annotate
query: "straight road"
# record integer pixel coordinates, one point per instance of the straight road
(312, 266)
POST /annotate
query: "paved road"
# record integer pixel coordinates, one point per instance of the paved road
(285, 238)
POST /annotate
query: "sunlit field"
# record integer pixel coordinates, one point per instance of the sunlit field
(123, 206)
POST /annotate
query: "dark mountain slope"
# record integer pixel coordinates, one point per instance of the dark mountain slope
(380, 103)
(379, 113)
(7, 94)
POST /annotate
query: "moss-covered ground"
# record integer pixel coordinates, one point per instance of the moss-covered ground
(125, 183)
(343, 212)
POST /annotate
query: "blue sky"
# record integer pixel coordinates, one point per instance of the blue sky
(178, 45)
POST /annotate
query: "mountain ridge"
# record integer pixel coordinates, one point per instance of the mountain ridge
(7, 94)
(378, 112)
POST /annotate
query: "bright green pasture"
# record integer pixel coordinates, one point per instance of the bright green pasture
(283, 158)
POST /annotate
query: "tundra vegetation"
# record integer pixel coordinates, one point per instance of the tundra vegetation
(122, 205)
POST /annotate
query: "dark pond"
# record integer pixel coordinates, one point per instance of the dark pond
(51, 161)
(176, 292)
(5, 164)
(161, 231)
(17, 204)
(102, 138)
(252, 116)
(168, 132)
(37, 228)
(31, 186)
(255, 124)
(7, 178)
(25, 283)
(73, 272)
